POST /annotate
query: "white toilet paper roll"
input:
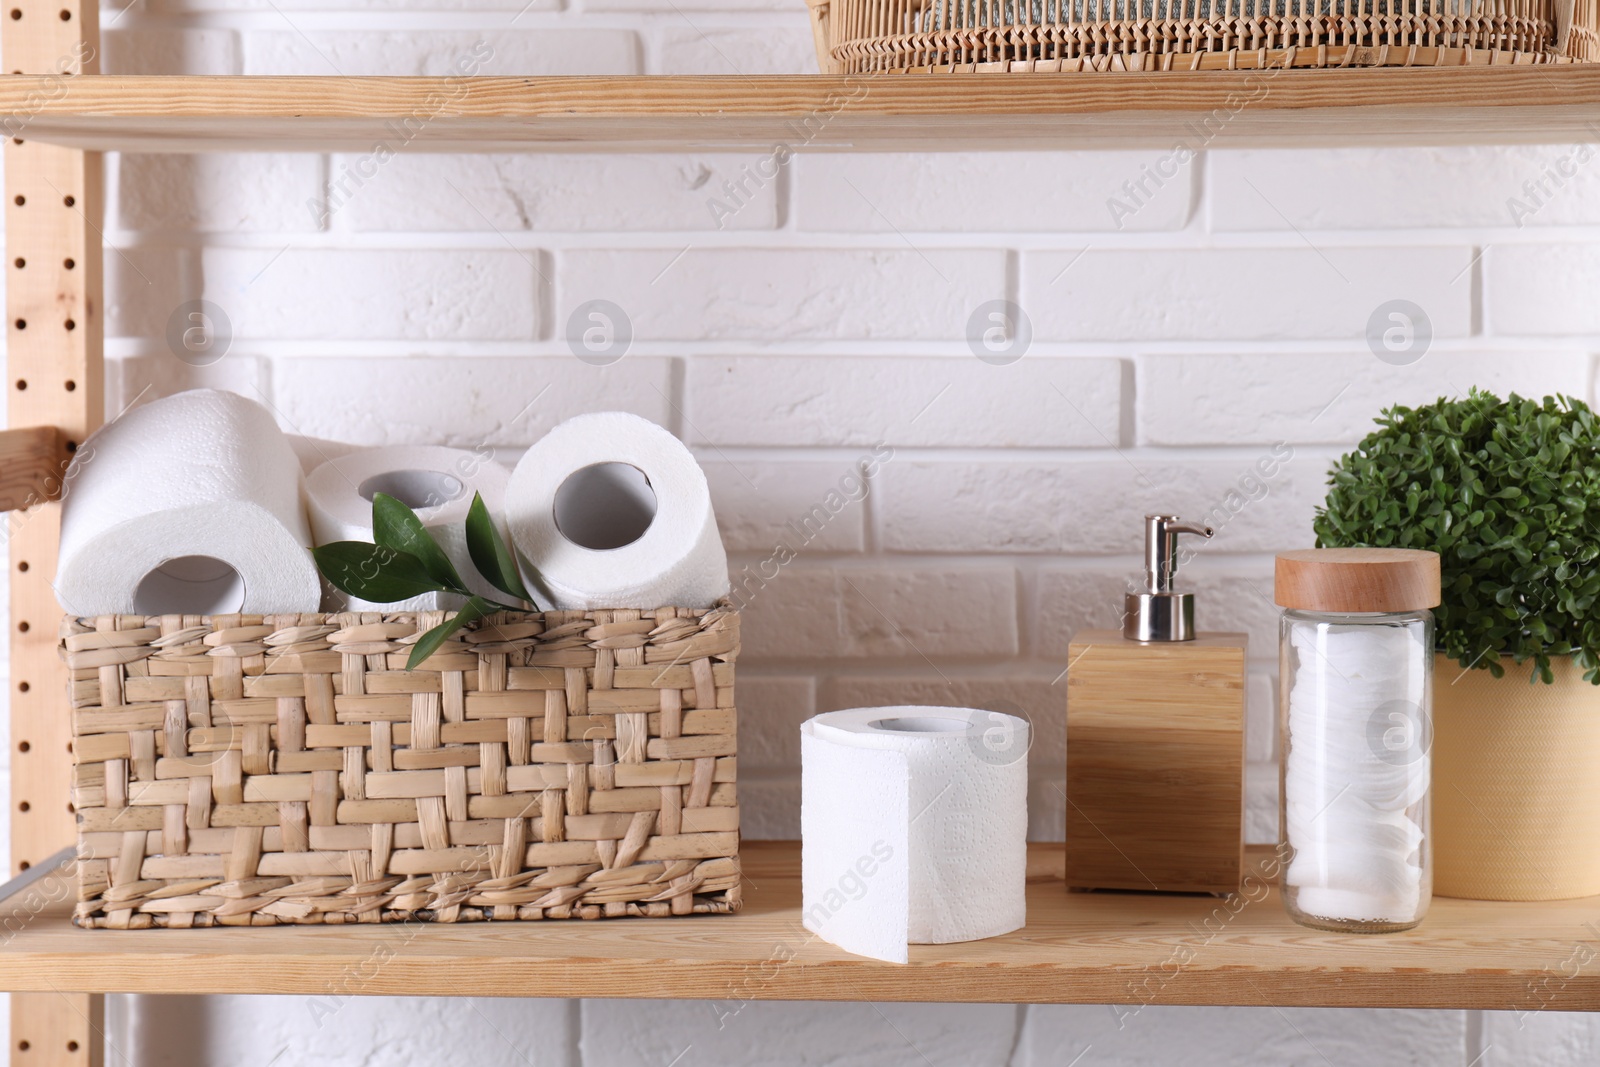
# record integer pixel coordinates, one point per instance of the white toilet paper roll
(612, 511)
(435, 482)
(914, 827)
(187, 505)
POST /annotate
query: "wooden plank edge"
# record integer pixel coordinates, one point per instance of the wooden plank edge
(1104, 130)
(399, 973)
(25, 98)
(33, 466)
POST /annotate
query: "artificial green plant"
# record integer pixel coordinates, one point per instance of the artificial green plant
(1508, 493)
(405, 561)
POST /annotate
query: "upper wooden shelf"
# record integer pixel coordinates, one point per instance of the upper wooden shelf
(1472, 105)
(1112, 948)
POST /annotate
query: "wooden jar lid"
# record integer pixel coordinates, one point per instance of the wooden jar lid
(1340, 580)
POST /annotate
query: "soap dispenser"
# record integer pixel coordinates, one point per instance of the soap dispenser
(1155, 740)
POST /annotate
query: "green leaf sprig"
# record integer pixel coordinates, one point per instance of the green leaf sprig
(1508, 493)
(405, 561)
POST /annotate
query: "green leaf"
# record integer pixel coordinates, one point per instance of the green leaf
(473, 610)
(374, 572)
(1508, 493)
(489, 552)
(396, 526)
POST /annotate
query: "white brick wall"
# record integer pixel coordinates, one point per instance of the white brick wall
(502, 51)
(493, 193)
(1205, 351)
(1015, 192)
(1292, 292)
(1370, 188)
(691, 49)
(1239, 400)
(383, 294)
(682, 292)
(928, 402)
(253, 192)
(1066, 506)
(169, 51)
(1222, 1037)
(461, 401)
(1542, 289)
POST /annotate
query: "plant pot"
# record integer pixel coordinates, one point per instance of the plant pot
(1516, 796)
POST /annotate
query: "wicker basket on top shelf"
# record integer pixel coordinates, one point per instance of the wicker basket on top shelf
(246, 771)
(941, 36)
(1583, 36)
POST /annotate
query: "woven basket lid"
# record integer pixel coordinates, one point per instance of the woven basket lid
(1341, 580)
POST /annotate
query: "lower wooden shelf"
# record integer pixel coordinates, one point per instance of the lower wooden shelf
(1113, 948)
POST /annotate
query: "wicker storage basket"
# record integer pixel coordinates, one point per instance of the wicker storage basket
(859, 36)
(248, 771)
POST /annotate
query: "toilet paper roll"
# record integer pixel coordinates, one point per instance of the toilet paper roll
(187, 505)
(914, 827)
(435, 482)
(611, 511)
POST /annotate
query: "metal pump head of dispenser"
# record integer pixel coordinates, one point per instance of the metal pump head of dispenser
(1158, 613)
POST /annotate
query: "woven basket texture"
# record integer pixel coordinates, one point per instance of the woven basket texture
(246, 770)
(1583, 39)
(939, 36)
(1516, 800)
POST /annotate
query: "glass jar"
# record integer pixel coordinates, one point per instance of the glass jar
(1356, 713)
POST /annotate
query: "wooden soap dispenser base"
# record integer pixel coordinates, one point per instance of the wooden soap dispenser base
(1155, 742)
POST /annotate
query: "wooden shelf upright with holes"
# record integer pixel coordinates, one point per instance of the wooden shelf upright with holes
(53, 334)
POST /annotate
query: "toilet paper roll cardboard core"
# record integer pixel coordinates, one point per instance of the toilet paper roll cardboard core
(605, 506)
(920, 724)
(190, 585)
(417, 490)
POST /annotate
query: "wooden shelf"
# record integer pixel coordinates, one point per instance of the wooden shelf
(1472, 105)
(1077, 948)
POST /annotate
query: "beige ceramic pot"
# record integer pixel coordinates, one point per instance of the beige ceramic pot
(1516, 784)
